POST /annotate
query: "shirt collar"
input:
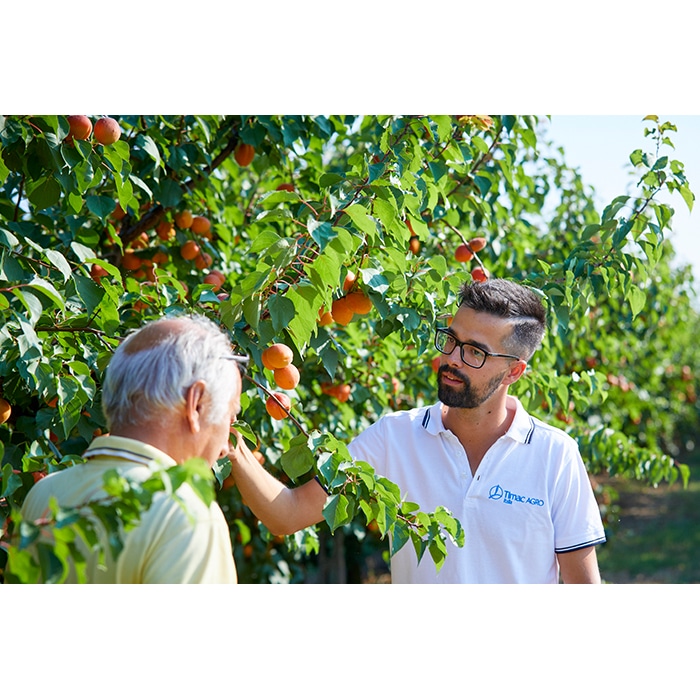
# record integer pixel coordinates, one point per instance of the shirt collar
(521, 428)
(128, 449)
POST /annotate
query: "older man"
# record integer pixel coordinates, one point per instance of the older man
(170, 394)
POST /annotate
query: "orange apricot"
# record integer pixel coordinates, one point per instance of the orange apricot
(189, 250)
(276, 356)
(244, 154)
(341, 311)
(278, 405)
(287, 377)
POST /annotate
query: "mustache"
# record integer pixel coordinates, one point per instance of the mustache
(442, 369)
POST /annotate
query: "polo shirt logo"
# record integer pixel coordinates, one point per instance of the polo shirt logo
(496, 493)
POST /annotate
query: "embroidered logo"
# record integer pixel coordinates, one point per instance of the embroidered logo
(496, 493)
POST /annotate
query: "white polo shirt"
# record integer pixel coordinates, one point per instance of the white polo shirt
(529, 499)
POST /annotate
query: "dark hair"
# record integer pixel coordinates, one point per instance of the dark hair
(510, 300)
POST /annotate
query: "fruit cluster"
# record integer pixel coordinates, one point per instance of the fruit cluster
(278, 359)
(106, 130)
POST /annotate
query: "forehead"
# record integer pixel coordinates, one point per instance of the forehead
(476, 326)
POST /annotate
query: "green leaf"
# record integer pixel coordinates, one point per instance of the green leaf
(359, 216)
(100, 205)
(48, 289)
(44, 194)
(298, 459)
(281, 311)
(637, 300)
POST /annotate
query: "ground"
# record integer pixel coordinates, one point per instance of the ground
(654, 535)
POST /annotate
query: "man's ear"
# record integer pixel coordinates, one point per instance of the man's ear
(194, 405)
(517, 369)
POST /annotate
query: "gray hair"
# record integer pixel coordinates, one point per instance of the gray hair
(506, 299)
(150, 372)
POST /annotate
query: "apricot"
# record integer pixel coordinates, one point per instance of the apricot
(183, 219)
(359, 302)
(200, 225)
(278, 405)
(97, 271)
(165, 230)
(342, 392)
(414, 245)
(287, 377)
(325, 318)
(80, 127)
(341, 311)
(107, 131)
(477, 244)
(276, 356)
(215, 278)
(5, 410)
(131, 261)
(285, 187)
(463, 253)
(244, 154)
(203, 260)
(189, 250)
(349, 281)
(480, 274)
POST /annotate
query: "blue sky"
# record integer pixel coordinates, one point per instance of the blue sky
(599, 146)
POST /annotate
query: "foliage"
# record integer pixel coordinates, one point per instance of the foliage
(384, 198)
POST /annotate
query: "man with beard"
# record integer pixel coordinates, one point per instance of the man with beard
(518, 486)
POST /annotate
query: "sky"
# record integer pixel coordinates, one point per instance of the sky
(599, 146)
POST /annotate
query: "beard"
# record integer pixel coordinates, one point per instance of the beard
(465, 396)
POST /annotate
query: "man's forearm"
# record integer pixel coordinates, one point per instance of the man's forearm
(282, 510)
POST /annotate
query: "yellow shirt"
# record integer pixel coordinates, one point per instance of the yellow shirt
(171, 543)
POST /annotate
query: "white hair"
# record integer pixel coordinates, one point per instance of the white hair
(149, 382)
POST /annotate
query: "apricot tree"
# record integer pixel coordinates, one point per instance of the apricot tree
(344, 238)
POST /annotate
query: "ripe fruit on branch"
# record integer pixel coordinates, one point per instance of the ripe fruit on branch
(244, 154)
(477, 244)
(216, 278)
(287, 377)
(341, 311)
(5, 410)
(480, 274)
(189, 250)
(183, 219)
(131, 261)
(97, 271)
(107, 131)
(463, 253)
(80, 127)
(325, 318)
(359, 303)
(203, 260)
(414, 245)
(165, 230)
(276, 356)
(273, 407)
(349, 281)
(200, 225)
(285, 187)
(341, 392)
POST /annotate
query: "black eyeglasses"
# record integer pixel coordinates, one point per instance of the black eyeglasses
(471, 355)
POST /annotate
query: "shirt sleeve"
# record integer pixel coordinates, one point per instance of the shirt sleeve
(575, 513)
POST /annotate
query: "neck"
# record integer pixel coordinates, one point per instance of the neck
(482, 425)
(165, 437)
